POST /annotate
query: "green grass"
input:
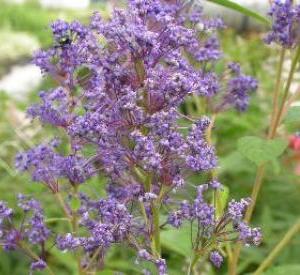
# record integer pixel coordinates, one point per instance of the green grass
(33, 19)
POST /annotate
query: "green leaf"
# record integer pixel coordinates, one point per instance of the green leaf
(178, 240)
(106, 272)
(283, 270)
(234, 163)
(260, 150)
(65, 260)
(276, 166)
(222, 199)
(293, 115)
(234, 6)
(123, 265)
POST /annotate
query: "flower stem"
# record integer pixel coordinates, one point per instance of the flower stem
(275, 121)
(285, 94)
(53, 220)
(34, 256)
(278, 248)
(94, 257)
(62, 204)
(277, 90)
(193, 262)
(72, 219)
(156, 248)
(255, 191)
(75, 230)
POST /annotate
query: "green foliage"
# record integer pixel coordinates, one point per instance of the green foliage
(293, 115)
(284, 270)
(234, 6)
(178, 241)
(34, 20)
(221, 199)
(260, 150)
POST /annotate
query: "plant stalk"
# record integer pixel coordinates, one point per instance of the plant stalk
(63, 205)
(285, 94)
(275, 121)
(193, 262)
(277, 90)
(156, 247)
(278, 248)
(75, 231)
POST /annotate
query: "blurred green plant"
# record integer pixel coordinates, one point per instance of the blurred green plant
(239, 8)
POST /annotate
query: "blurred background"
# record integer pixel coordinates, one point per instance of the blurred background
(24, 29)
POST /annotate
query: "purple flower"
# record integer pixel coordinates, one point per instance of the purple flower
(210, 227)
(67, 242)
(161, 266)
(28, 204)
(47, 166)
(202, 155)
(11, 239)
(144, 254)
(34, 226)
(236, 209)
(160, 263)
(60, 28)
(5, 212)
(38, 265)
(285, 22)
(121, 85)
(204, 213)
(216, 258)
(234, 68)
(54, 108)
(238, 90)
(43, 59)
(148, 197)
(37, 232)
(249, 235)
(176, 218)
(214, 184)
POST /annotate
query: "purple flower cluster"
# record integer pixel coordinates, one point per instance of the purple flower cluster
(31, 230)
(106, 221)
(35, 229)
(38, 265)
(122, 83)
(54, 109)
(216, 230)
(47, 166)
(160, 263)
(285, 23)
(216, 258)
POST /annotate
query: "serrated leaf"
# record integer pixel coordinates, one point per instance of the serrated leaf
(283, 270)
(293, 115)
(260, 150)
(234, 6)
(276, 147)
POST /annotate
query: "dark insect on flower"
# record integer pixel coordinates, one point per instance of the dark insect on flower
(63, 42)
